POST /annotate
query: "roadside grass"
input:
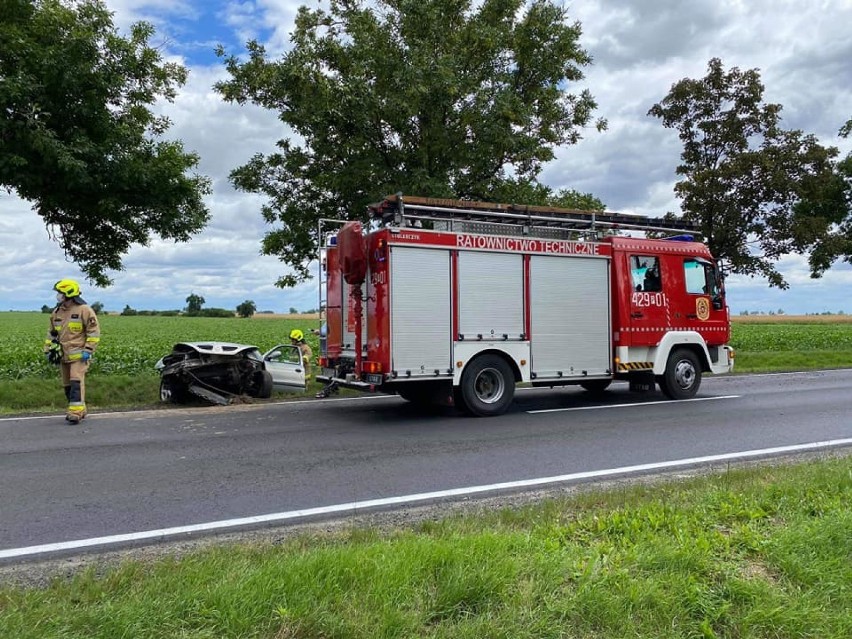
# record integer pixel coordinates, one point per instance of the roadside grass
(107, 392)
(780, 361)
(751, 552)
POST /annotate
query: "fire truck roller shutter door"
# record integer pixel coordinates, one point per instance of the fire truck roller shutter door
(421, 314)
(570, 316)
(491, 294)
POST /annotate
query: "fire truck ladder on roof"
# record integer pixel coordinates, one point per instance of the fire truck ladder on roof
(485, 217)
(324, 239)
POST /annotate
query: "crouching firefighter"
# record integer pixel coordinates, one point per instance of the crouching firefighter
(73, 337)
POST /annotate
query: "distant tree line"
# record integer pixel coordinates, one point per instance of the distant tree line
(780, 311)
(193, 309)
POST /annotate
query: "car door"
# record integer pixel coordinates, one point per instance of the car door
(284, 363)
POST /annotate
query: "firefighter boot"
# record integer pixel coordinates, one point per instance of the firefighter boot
(76, 408)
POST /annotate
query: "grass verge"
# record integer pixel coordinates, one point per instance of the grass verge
(114, 392)
(759, 552)
(782, 361)
(103, 392)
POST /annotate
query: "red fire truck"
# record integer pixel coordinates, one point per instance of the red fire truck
(444, 300)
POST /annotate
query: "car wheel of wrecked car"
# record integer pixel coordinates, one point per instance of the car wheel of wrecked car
(261, 385)
(170, 392)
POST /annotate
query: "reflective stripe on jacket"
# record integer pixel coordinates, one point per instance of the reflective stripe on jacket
(77, 329)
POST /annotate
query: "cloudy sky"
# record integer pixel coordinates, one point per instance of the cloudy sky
(640, 48)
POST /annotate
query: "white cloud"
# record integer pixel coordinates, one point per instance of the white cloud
(640, 49)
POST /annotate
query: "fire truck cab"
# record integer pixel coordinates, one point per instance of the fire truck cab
(446, 301)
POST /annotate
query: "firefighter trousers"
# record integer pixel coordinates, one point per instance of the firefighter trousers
(74, 382)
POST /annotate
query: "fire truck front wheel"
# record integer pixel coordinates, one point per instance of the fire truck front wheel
(487, 386)
(683, 375)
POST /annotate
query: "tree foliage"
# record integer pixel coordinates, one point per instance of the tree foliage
(532, 192)
(832, 199)
(247, 308)
(746, 179)
(79, 139)
(194, 303)
(443, 98)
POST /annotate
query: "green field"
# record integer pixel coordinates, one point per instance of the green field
(132, 345)
(123, 374)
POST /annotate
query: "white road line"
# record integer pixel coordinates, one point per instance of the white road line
(633, 405)
(359, 506)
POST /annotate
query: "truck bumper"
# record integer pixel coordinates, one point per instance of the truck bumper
(347, 383)
(725, 363)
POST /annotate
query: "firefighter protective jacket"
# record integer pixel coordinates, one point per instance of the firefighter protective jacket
(75, 326)
(307, 355)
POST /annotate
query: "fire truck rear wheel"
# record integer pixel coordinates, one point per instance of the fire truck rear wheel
(487, 386)
(683, 375)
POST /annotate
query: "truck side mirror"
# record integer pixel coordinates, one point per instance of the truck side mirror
(717, 302)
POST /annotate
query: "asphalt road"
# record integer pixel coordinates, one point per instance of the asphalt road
(122, 473)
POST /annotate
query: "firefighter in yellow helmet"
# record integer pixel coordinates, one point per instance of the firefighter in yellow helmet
(71, 341)
(297, 338)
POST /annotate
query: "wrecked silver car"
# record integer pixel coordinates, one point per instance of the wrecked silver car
(219, 372)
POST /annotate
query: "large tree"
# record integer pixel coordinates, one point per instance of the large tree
(446, 98)
(194, 303)
(744, 176)
(78, 138)
(831, 199)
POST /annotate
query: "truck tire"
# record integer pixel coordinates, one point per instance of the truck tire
(683, 375)
(596, 386)
(487, 386)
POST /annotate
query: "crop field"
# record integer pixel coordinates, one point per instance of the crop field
(132, 345)
(792, 337)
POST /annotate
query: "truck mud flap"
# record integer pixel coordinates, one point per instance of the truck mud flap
(641, 381)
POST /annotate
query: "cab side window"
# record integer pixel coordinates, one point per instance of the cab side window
(699, 277)
(645, 273)
(285, 354)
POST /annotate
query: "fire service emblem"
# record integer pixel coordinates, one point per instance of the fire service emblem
(702, 308)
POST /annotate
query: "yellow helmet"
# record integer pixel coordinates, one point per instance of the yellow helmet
(69, 288)
(297, 335)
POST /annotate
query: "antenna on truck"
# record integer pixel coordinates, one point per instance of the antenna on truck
(488, 217)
